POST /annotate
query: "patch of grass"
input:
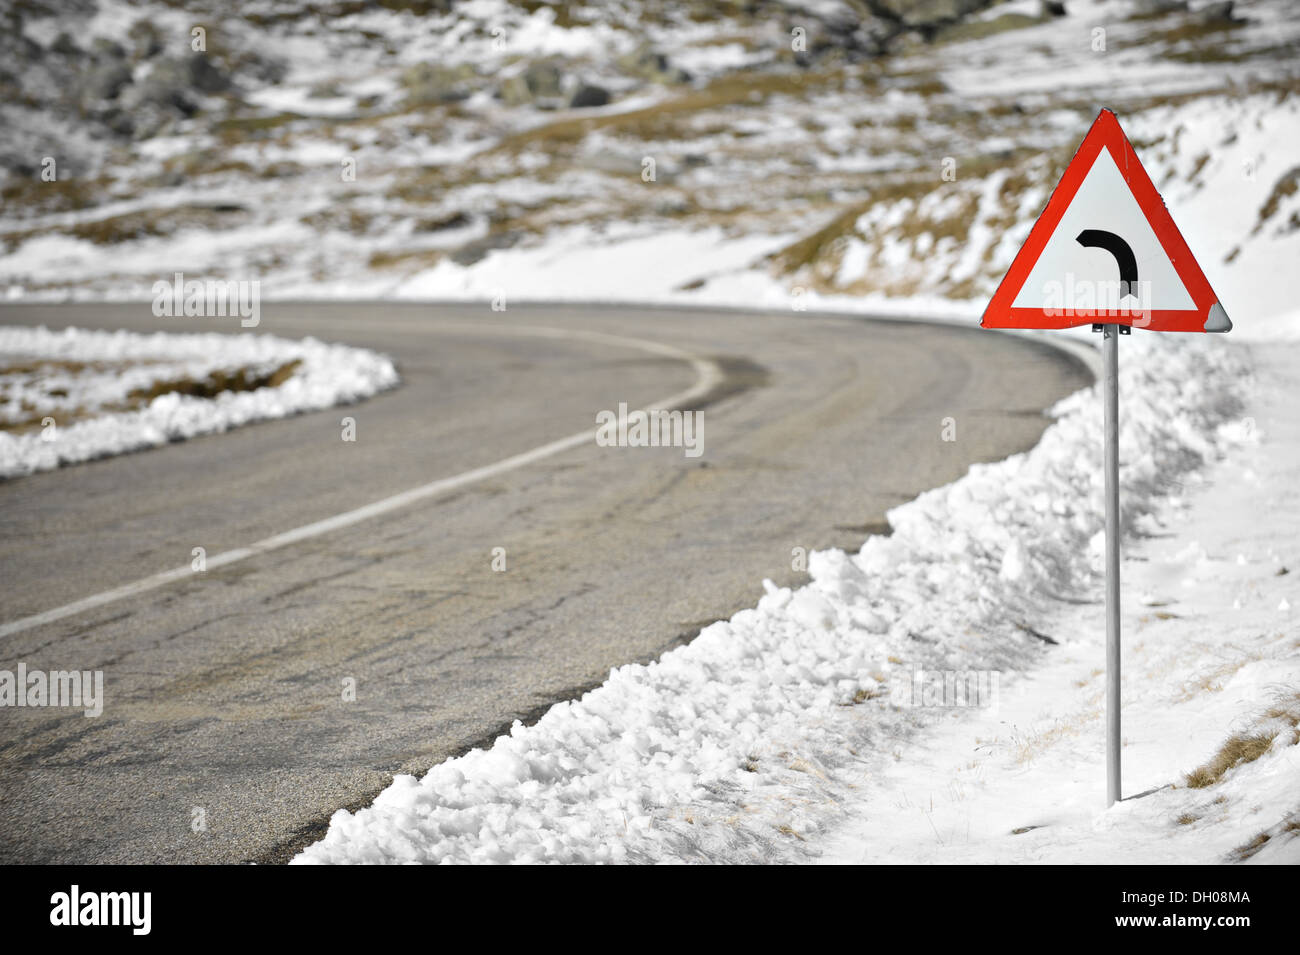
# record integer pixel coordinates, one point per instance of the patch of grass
(1236, 751)
(661, 120)
(1197, 29)
(241, 379)
(1284, 188)
(405, 258)
(233, 130)
(1211, 681)
(456, 220)
(153, 222)
(43, 366)
(979, 29)
(35, 420)
(33, 196)
(813, 247)
(1031, 745)
(345, 218)
(1288, 827)
(955, 225)
(208, 163)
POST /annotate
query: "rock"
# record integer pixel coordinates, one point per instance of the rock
(172, 83)
(513, 91)
(589, 95)
(18, 164)
(428, 83)
(119, 121)
(541, 84)
(105, 82)
(205, 75)
(1157, 8)
(1216, 14)
(64, 44)
(925, 14)
(144, 122)
(544, 79)
(475, 251)
(165, 86)
(837, 35)
(105, 49)
(145, 40)
(1054, 8)
(650, 64)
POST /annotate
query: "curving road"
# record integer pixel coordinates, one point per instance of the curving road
(224, 689)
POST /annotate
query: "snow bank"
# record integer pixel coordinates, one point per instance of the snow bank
(1210, 648)
(726, 748)
(327, 375)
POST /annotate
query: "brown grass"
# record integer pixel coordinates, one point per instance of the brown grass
(156, 222)
(32, 196)
(405, 259)
(1282, 189)
(241, 379)
(1236, 751)
(660, 120)
(978, 29)
(1290, 826)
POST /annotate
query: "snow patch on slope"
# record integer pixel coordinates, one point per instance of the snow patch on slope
(327, 375)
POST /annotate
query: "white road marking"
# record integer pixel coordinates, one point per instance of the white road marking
(707, 372)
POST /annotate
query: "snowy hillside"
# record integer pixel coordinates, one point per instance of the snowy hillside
(792, 153)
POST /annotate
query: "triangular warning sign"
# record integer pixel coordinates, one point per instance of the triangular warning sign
(1105, 250)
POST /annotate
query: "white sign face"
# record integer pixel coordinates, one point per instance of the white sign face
(1087, 250)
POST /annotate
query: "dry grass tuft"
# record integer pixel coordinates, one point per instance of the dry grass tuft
(241, 379)
(1236, 751)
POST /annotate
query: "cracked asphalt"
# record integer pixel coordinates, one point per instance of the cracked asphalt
(224, 691)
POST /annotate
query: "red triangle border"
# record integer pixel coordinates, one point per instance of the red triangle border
(1106, 133)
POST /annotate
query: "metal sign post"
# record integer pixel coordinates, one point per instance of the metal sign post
(1110, 388)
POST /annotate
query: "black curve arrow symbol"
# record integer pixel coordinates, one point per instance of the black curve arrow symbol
(1128, 267)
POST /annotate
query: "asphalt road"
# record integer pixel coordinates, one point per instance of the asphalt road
(224, 690)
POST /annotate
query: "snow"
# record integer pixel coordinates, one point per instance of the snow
(119, 362)
(1209, 643)
(585, 265)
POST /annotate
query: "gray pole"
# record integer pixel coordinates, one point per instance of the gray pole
(1110, 386)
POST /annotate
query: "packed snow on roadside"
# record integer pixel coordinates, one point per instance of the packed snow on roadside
(1210, 692)
(756, 739)
(88, 376)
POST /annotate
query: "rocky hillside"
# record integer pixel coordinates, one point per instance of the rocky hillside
(849, 147)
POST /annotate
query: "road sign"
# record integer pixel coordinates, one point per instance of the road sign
(1104, 251)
